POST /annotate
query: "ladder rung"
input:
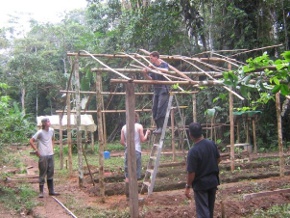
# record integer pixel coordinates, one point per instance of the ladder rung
(148, 184)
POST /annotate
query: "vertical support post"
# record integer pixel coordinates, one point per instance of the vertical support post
(232, 128)
(238, 129)
(69, 140)
(172, 134)
(247, 129)
(60, 141)
(194, 108)
(279, 129)
(92, 141)
(130, 125)
(254, 133)
(78, 122)
(103, 115)
(100, 107)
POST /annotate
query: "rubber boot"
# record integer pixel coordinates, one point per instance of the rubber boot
(51, 188)
(40, 191)
(127, 190)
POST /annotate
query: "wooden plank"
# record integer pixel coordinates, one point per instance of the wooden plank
(100, 106)
(197, 83)
(265, 193)
(130, 125)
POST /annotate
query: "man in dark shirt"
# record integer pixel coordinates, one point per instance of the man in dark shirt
(161, 92)
(202, 172)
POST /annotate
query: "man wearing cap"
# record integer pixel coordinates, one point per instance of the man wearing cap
(44, 150)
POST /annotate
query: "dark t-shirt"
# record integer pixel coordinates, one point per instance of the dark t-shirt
(202, 160)
(159, 88)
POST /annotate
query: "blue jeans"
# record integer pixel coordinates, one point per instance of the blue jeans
(138, 164)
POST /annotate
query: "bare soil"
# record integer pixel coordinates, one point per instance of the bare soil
(168, 198)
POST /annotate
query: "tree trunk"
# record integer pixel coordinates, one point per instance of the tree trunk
(279, 128)
(23, 91)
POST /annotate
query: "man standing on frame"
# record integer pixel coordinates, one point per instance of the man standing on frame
(202, 172)
(161, 92)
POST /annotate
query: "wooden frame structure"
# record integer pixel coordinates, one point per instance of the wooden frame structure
(125, 68)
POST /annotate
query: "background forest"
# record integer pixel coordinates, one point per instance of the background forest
(34, 63)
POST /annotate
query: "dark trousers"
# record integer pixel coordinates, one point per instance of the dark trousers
(204, 202)
(46, 168)
(160, 102)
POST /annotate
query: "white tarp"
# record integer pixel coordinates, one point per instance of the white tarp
(87, 122)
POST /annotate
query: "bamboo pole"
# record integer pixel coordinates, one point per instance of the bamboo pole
(184, 77)
(100, 62)
(194, 114)
(195, 83)
(172, 134)
(130, 134)
(92, 141)
(170, 67)
(60, 141)
(110, 111)
(232, 128)
(254, 133)
(165, 75)
(225, 87)
(163, 57)
(124, 93)
(99, 77)
(100, 106)
(69, 139)
(257, 49)
(78, 123)
(279, 129)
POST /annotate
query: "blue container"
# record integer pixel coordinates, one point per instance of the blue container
(106, 154)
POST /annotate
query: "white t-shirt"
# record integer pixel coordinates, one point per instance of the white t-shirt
(136, 138)
(44, 141)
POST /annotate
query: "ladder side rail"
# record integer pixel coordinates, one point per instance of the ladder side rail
(156, 165)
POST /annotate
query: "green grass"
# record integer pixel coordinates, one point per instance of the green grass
(277, 211)
(18, 198)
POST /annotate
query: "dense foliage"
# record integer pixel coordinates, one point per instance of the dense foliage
(35, 65)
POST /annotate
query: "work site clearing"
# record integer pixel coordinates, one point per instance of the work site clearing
(254, 186)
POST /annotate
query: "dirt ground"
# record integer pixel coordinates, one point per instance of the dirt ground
(161, 204)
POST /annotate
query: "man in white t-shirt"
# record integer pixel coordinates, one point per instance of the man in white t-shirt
(44, 150)
(139, 138)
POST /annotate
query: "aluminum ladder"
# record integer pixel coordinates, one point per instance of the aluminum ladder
(153, 163)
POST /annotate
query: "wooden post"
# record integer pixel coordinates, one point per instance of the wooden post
(254, 133)
(232, 132)
(103, 114)
(279, 129)
(172, 134)
(69, 141)
(92, 141)
(247, 129)
(60, 141)
(78, 122)
(100, 107)
(232, 127)
(238, 128)
(194, 108)
(130, 125)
